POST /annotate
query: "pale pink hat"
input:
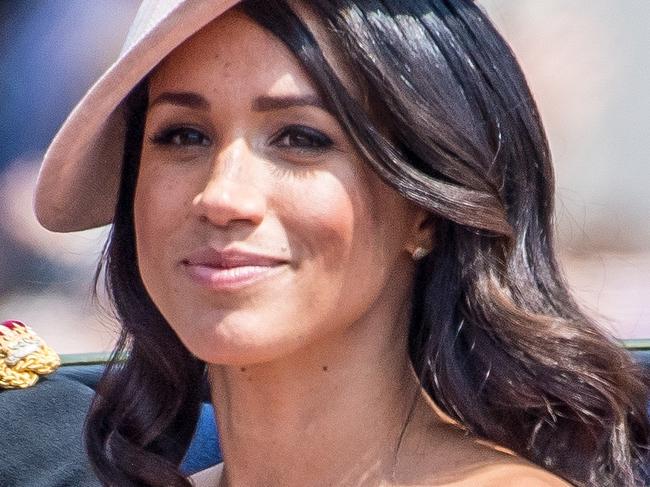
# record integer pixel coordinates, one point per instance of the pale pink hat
(78, 182)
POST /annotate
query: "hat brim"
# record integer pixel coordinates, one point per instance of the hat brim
(78, 183)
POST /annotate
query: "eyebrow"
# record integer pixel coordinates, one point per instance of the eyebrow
(261, 104)
(269, 103)
(184, 99)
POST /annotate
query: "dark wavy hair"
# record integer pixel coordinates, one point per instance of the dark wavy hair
(496, 338)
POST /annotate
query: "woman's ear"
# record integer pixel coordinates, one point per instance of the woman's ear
(422, 236)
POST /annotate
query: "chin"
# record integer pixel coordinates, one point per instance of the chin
(237, 344)
(237, 356)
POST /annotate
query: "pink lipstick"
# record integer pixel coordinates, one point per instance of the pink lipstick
(230, 269)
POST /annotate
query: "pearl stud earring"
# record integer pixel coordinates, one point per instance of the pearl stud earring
(419, 253)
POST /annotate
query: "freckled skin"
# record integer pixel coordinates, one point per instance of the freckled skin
(344, 232)
(309, 370)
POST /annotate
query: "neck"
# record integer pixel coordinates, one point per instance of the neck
(331, 414)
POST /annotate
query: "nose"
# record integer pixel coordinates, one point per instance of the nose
(229, 194)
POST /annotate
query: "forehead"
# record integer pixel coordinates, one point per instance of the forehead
(234, 49)
(232, 53)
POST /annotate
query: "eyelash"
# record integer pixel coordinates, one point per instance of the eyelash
(315, 141)
(166, 137)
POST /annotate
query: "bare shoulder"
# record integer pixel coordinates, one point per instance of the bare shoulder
(490, 471)
(208, 477)
(513, 475)
(443, 455)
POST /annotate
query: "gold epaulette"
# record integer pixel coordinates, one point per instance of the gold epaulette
(24, 356)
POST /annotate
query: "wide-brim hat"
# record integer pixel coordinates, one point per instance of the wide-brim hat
(78, 182)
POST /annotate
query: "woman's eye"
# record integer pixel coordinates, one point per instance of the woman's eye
(181, 136)
(304, 138)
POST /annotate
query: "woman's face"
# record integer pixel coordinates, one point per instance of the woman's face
(259, 228)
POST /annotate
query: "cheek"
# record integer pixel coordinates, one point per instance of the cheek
(350, 219)
(160, 193)
(320, 217)
(324, 220)
(335, 223)
(159, 209)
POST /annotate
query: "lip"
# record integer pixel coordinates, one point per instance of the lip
(230, 269)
